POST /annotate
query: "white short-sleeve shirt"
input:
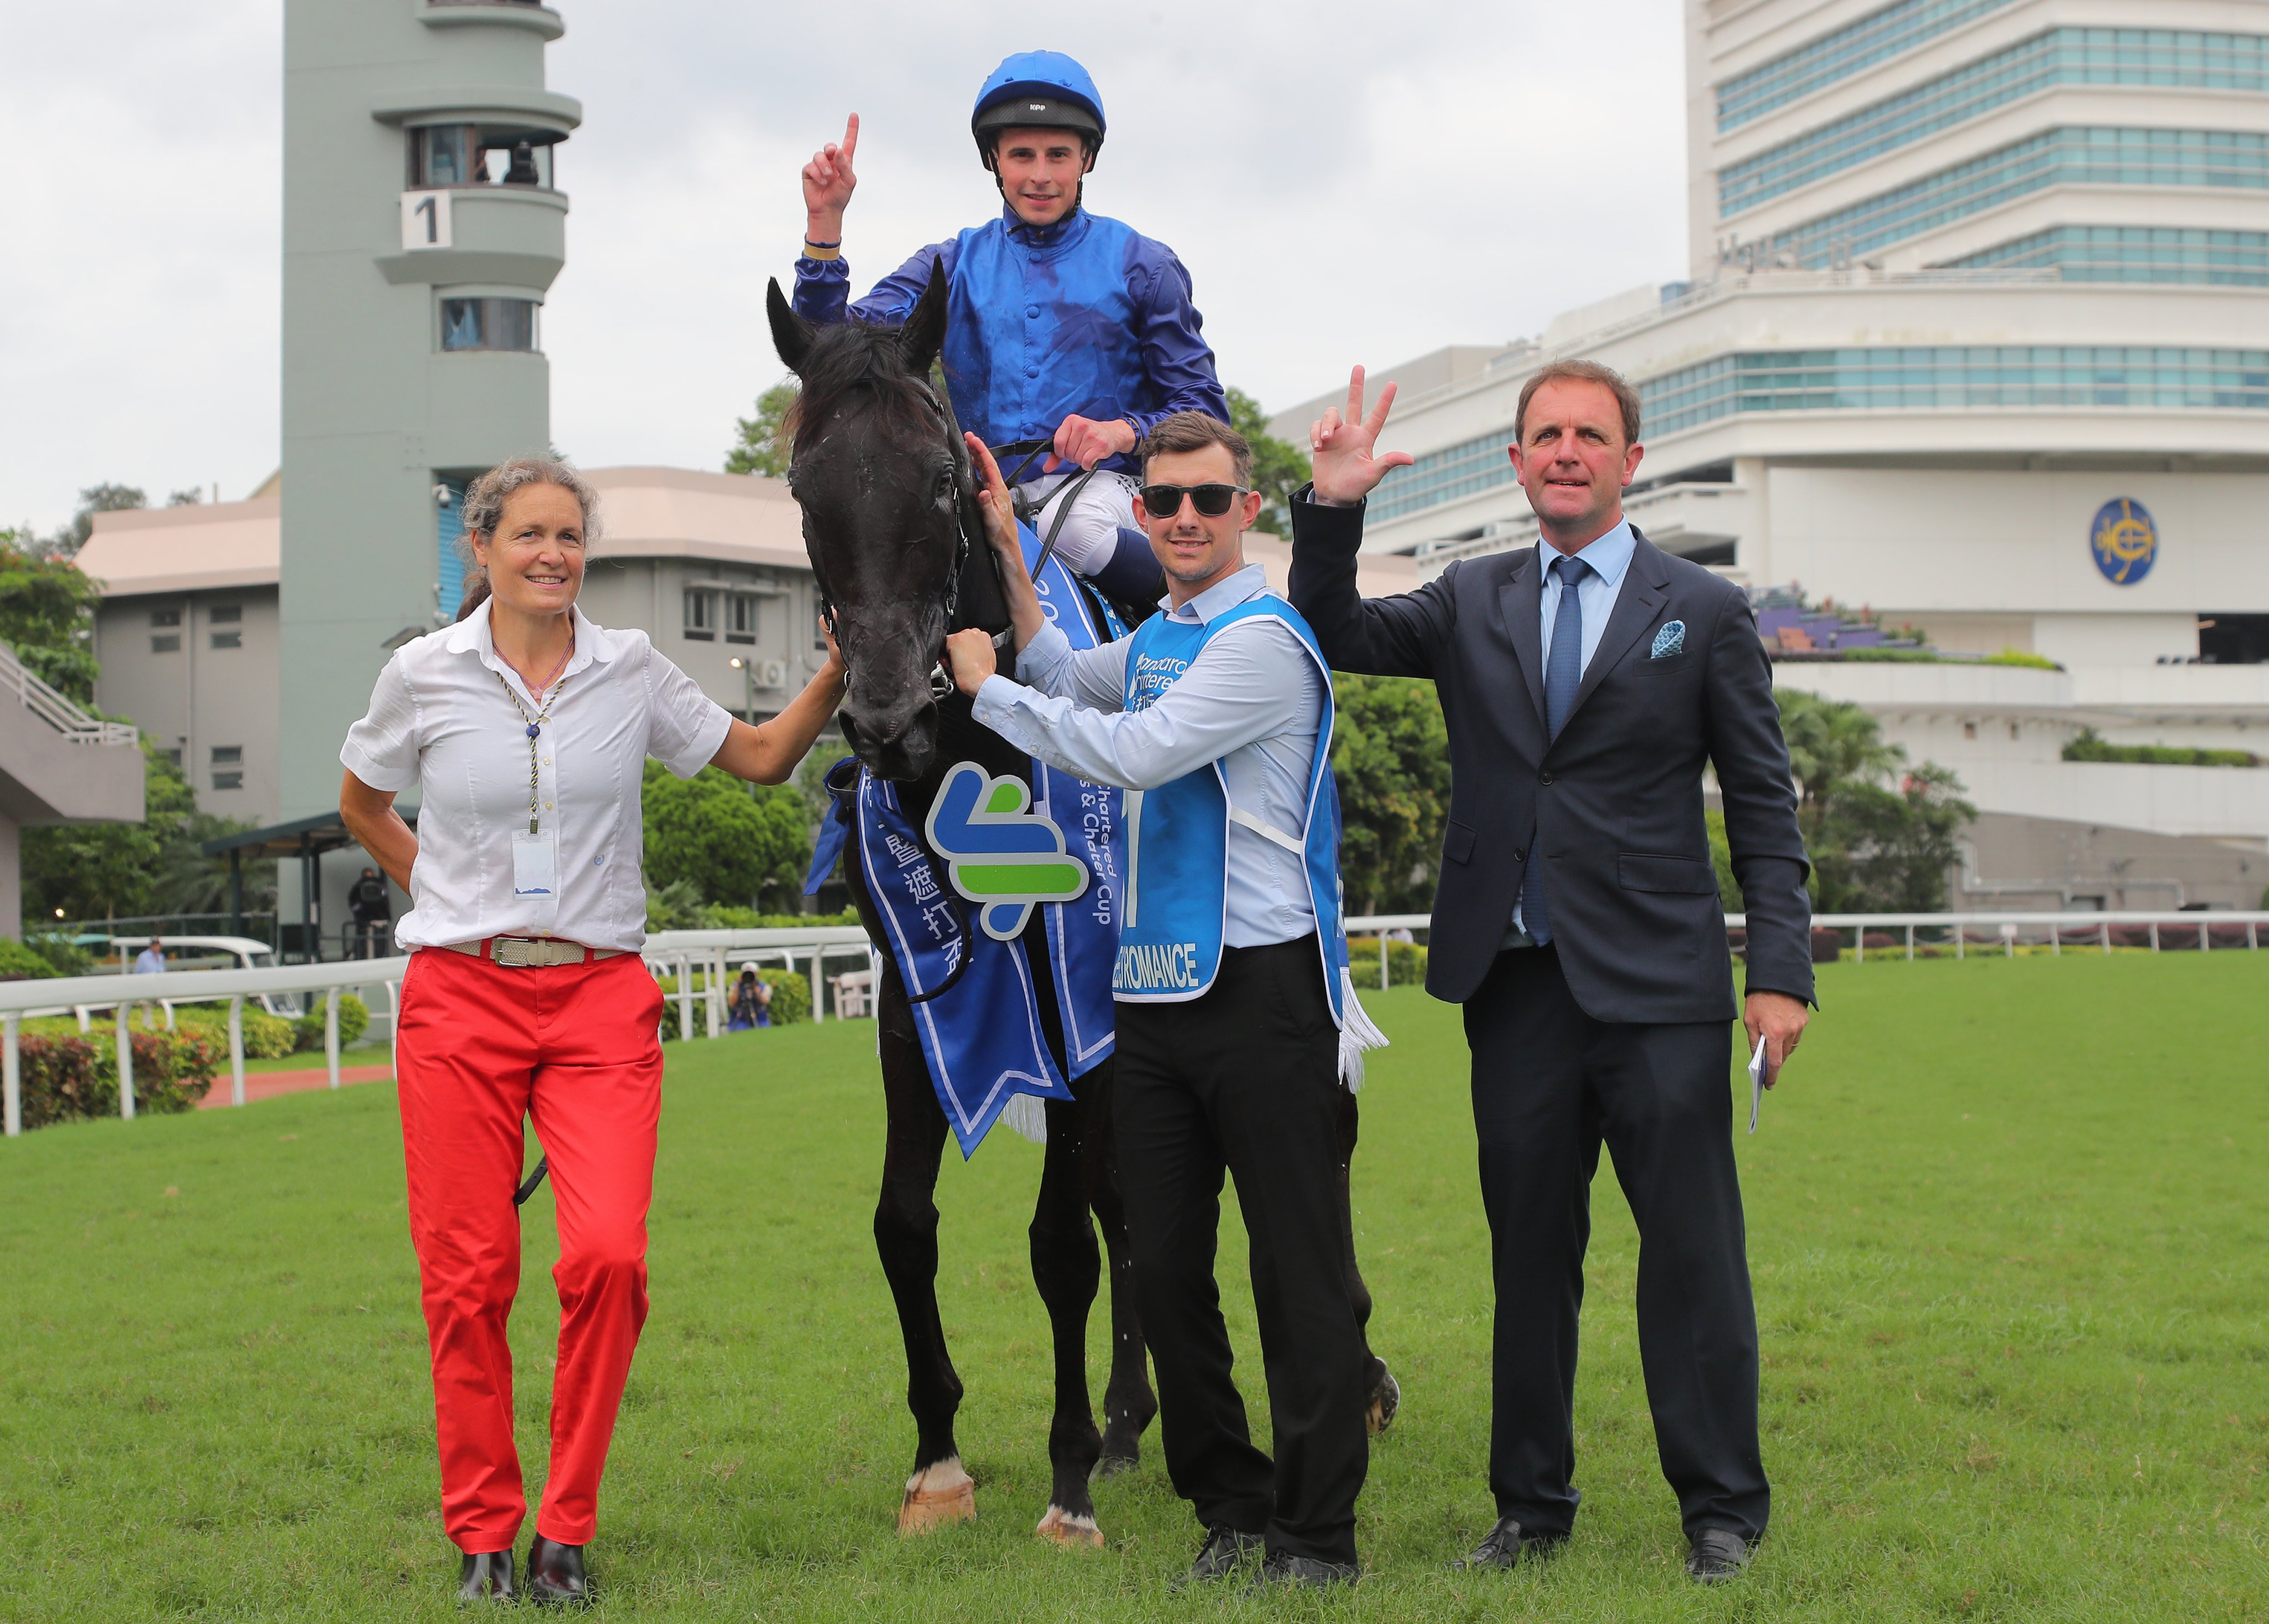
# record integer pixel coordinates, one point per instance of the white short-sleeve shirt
(440, 719)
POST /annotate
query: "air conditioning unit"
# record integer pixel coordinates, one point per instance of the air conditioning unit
(772, 674)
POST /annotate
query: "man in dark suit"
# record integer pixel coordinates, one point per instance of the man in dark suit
(1586, 683)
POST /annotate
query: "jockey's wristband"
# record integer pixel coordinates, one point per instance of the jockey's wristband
(822, 250)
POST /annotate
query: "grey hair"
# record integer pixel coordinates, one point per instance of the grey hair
(485, 497)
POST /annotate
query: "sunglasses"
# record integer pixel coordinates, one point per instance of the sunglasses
(1164, 501)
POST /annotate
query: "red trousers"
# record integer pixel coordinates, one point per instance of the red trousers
(482, 1046)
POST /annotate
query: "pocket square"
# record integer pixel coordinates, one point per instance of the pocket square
(1670, 640)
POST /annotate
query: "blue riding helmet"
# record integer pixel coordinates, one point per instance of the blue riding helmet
(1036, 90)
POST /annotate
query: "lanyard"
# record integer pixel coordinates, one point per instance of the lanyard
(535, 726)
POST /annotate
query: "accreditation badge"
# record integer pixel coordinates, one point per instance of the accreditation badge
(535, 865)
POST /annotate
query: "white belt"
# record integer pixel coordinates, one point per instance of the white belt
(533, 952)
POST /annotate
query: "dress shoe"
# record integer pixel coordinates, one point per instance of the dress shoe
(555, 1574)
(1506, 1544)
(487, 1575)
(1225, 1549)
(1310, 1573)
(1717, 1555)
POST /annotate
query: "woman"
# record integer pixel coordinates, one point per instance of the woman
(528, 727)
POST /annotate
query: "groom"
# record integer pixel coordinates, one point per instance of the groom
(1587, 681)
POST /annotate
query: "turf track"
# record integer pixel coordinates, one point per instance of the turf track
(2009, 1222)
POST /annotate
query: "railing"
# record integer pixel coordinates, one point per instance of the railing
(2195, 928)
(53, 708)
(684, 953)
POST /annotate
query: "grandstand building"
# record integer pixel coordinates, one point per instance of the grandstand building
(1976, 335)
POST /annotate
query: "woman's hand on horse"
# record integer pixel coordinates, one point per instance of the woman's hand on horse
(1087, 442)
(970, 654)
(828, 183)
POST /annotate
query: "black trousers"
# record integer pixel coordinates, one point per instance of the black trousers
(1550, 1083)
(1246, 1079)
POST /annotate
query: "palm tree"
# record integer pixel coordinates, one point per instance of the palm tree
(1832, 743)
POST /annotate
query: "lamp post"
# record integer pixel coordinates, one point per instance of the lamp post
(749, 677)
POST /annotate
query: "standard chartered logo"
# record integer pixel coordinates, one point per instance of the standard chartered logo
(1144, 966)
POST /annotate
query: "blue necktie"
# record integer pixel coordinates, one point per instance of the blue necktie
(1563, 674)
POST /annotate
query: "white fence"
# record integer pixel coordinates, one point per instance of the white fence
(680, 955)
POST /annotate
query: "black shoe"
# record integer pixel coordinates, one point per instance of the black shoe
(1225, 1550)
(1308, 1572)
(555, 1574)
(1717, 1555)
(487, 1575)
(1507, 1543)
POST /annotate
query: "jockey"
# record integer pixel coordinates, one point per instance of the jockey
(1064, 327)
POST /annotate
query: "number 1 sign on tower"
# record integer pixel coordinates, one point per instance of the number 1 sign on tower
(424, 221)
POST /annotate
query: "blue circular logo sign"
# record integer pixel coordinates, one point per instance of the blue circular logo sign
(2125, 541)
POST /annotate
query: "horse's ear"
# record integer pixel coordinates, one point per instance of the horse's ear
(792, 334)
(924, 333)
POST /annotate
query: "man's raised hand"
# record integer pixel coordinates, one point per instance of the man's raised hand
(828, 183)
(1343, 459)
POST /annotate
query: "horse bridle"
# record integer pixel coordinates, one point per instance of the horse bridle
(941, 681)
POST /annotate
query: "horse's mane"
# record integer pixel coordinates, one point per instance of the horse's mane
(856, 365)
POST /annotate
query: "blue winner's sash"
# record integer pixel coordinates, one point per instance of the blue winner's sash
(1170, 941)
(1005, 846)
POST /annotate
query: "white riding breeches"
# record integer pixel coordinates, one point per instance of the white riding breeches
(1104, 505)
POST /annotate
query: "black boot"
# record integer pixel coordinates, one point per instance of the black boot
(555, 1574)
(487, 1575)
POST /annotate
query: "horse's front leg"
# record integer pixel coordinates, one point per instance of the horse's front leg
(1129, 1404)
(1067, 1268)
(906, 1238)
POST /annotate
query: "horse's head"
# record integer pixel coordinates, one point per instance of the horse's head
(879, 470)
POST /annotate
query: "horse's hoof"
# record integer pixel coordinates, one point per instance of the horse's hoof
(1115, 1466)
(939, 1493)
(1386, 1399)
(1069, 1528)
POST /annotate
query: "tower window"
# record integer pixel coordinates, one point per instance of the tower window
(165, 642)
(224, 613)
(231, 639)
(701, 616)
(452, 155)
(228, 766)
(741, 618)
(488, 324)
(166, 617)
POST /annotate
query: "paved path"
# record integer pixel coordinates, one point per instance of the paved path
(267, 1085)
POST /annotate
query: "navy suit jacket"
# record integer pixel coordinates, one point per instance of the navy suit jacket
(1613, 806)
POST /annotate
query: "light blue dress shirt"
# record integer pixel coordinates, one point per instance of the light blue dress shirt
(1253, 700)
(1609, 556)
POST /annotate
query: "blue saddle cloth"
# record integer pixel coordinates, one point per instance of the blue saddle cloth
(981, 1034)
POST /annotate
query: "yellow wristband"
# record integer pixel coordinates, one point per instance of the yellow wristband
(815, 251)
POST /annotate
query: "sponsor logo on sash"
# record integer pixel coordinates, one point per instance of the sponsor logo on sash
(1001, 854)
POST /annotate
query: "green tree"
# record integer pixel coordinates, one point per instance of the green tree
(1391, 752)
(105, 499)
(757, 447)
(729, 841)
(1881, 835)
(96, 871)
(47, 616)
(1279, 468)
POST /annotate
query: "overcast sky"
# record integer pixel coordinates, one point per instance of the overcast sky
(1344, 183)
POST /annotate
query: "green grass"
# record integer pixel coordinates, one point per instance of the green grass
(2010, 1233)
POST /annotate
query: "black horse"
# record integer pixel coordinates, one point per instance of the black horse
(895, 540)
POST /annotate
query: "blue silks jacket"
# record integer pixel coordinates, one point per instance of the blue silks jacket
(1086, 316)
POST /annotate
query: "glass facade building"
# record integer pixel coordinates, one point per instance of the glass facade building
(1875, 38)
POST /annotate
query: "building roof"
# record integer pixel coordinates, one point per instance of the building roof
(649, 512)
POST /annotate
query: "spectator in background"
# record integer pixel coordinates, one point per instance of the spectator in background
(752, 1005)
(152, 960)
(372, 904)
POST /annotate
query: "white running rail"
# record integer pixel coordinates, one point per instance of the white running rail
(60, 713)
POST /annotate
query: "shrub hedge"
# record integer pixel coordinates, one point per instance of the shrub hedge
(72, 1078)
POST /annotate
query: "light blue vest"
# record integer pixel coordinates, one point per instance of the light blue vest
(1171, 934)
